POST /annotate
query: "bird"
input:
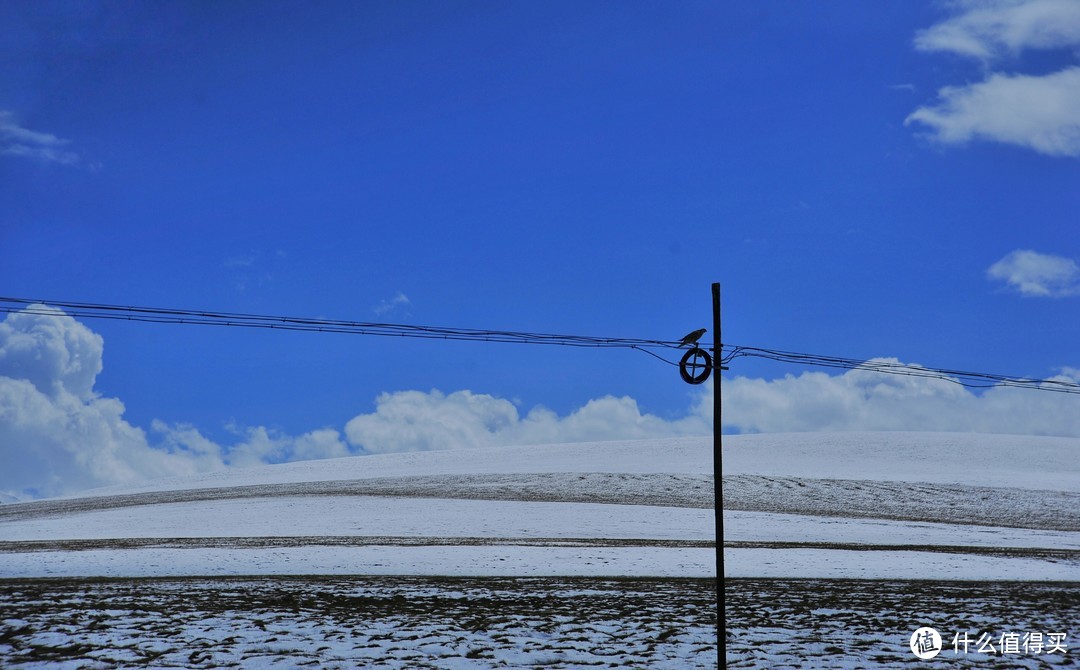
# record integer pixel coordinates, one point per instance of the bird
(692, 338)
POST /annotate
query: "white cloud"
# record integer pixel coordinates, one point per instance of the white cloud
(987, 29)
(857, 400)
(1038, 275)
(55, 353)
(864, 400)
(414, 420)
(57, 435)
(18, 141)
(1040, 113)
(400, 300)
(255, 446)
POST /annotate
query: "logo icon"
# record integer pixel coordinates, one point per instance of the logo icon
(925, 643)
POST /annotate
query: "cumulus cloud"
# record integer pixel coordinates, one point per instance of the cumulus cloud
(857, 400)
(1037, 275)
(56, 354)
(1039, 112)
(256, 445)
(58, 435)
(863, 400)
(414, 420)
(18, 141)
(1036, 112)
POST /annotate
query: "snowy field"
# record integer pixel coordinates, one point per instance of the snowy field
(559, 556)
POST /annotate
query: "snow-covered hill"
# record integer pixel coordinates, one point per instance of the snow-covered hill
(870, 505)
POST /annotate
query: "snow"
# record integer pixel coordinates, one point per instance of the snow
(468, 561)
(675, 455)
(460, 561)
(371, 516)
(859, 505)
(766, 527)
(1020, 461)
(836, 547)
(892, 565)
(963, 458)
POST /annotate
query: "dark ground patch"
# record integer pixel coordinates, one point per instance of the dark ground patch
(420, 622)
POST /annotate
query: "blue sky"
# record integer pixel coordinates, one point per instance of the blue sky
(864, 179)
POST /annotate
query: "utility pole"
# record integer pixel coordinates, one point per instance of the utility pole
(693, 360)
(718, 485)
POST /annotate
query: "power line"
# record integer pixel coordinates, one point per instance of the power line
(244, 320)
(649, 346)
(883, 366)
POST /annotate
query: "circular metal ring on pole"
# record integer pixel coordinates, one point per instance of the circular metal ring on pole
(692, 361)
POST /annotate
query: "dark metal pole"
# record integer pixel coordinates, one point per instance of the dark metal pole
(718, 486)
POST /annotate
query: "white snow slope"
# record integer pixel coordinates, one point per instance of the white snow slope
(846, 505)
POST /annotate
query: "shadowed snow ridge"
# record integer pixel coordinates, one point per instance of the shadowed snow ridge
(907, 501)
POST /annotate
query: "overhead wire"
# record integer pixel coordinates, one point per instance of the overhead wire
(892, 367)
(235, 319)
(652, 347)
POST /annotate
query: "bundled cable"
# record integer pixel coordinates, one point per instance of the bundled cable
(730, 353)
(84, 310)
(887, 366)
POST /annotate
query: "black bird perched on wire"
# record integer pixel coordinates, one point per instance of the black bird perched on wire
(692, 338)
